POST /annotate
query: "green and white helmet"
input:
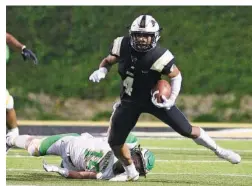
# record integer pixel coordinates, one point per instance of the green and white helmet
(149, 159)
(145, 162)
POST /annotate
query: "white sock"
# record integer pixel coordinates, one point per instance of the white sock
(21, 141)
(131, 170)
(206, 141)
(14, 131)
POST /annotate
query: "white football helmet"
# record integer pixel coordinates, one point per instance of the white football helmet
(144, 25)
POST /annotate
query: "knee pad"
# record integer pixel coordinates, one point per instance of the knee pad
(33, 147)
(9, 101)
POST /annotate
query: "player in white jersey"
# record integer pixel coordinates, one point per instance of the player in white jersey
(84, 156)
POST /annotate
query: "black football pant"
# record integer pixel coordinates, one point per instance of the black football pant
(125, 116)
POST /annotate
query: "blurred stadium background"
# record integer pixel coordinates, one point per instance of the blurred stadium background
(212, 46)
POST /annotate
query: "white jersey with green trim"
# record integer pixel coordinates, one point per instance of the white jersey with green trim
(88, 153)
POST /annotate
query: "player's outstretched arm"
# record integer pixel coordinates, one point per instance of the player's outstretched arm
(104, 67)
(69, 173)
(108, 62)
(13, 42)
(82, 175)
(16, 45)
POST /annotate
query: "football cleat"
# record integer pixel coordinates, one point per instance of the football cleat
(7, 148)
(125, 177)
(228, 155)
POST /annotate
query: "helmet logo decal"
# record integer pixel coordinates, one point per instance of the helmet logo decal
(153, 22)
(142, 22)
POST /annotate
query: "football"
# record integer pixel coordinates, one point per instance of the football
(164, 88)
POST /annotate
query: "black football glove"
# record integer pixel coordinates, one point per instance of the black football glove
(28, 54)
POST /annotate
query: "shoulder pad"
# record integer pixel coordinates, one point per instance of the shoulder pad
(116, 46)
(162, 61)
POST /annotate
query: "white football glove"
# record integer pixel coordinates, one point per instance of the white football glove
(99, 74)
(167, 103)
(53, 168)
(105, 175)
(50, 168)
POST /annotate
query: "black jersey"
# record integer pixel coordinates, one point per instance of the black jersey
(140, 71)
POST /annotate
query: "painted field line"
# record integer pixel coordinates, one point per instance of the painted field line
(158, 160)
(28, 170)
(139, 124)
(166, 148)
(20, 185)
(199, 161)
(187, 149)
(205, 174)
(199, 174)
(25, 156)
(180, 138)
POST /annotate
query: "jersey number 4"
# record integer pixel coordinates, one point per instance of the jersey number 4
(128, 83)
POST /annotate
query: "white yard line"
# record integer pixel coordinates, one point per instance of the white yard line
(205, 174)
(187, 149)
(200, 161)
(169, 148)
(184, 138)
(20, 156)
(20, 185)
(199, 174)
(158, 160)
(28, 170)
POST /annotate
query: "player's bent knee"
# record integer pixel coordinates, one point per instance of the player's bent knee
(114, 143)
(33, 147)
(116, 149)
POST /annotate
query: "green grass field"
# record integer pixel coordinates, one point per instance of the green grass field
(178, 162)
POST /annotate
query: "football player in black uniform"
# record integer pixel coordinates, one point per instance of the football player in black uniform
(141, 62)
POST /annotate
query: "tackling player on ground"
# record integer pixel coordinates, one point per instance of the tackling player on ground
(141, 62)
(11, 119)
(84, 156)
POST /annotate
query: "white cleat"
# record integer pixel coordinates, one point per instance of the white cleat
(7, 148)
(228, 155)
(9, 140)
(125, 177)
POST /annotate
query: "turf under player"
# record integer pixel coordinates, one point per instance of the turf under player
(11, 119)
(84, 156)
(141, 62)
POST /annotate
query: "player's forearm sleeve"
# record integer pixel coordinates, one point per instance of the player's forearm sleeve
(175, 86)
